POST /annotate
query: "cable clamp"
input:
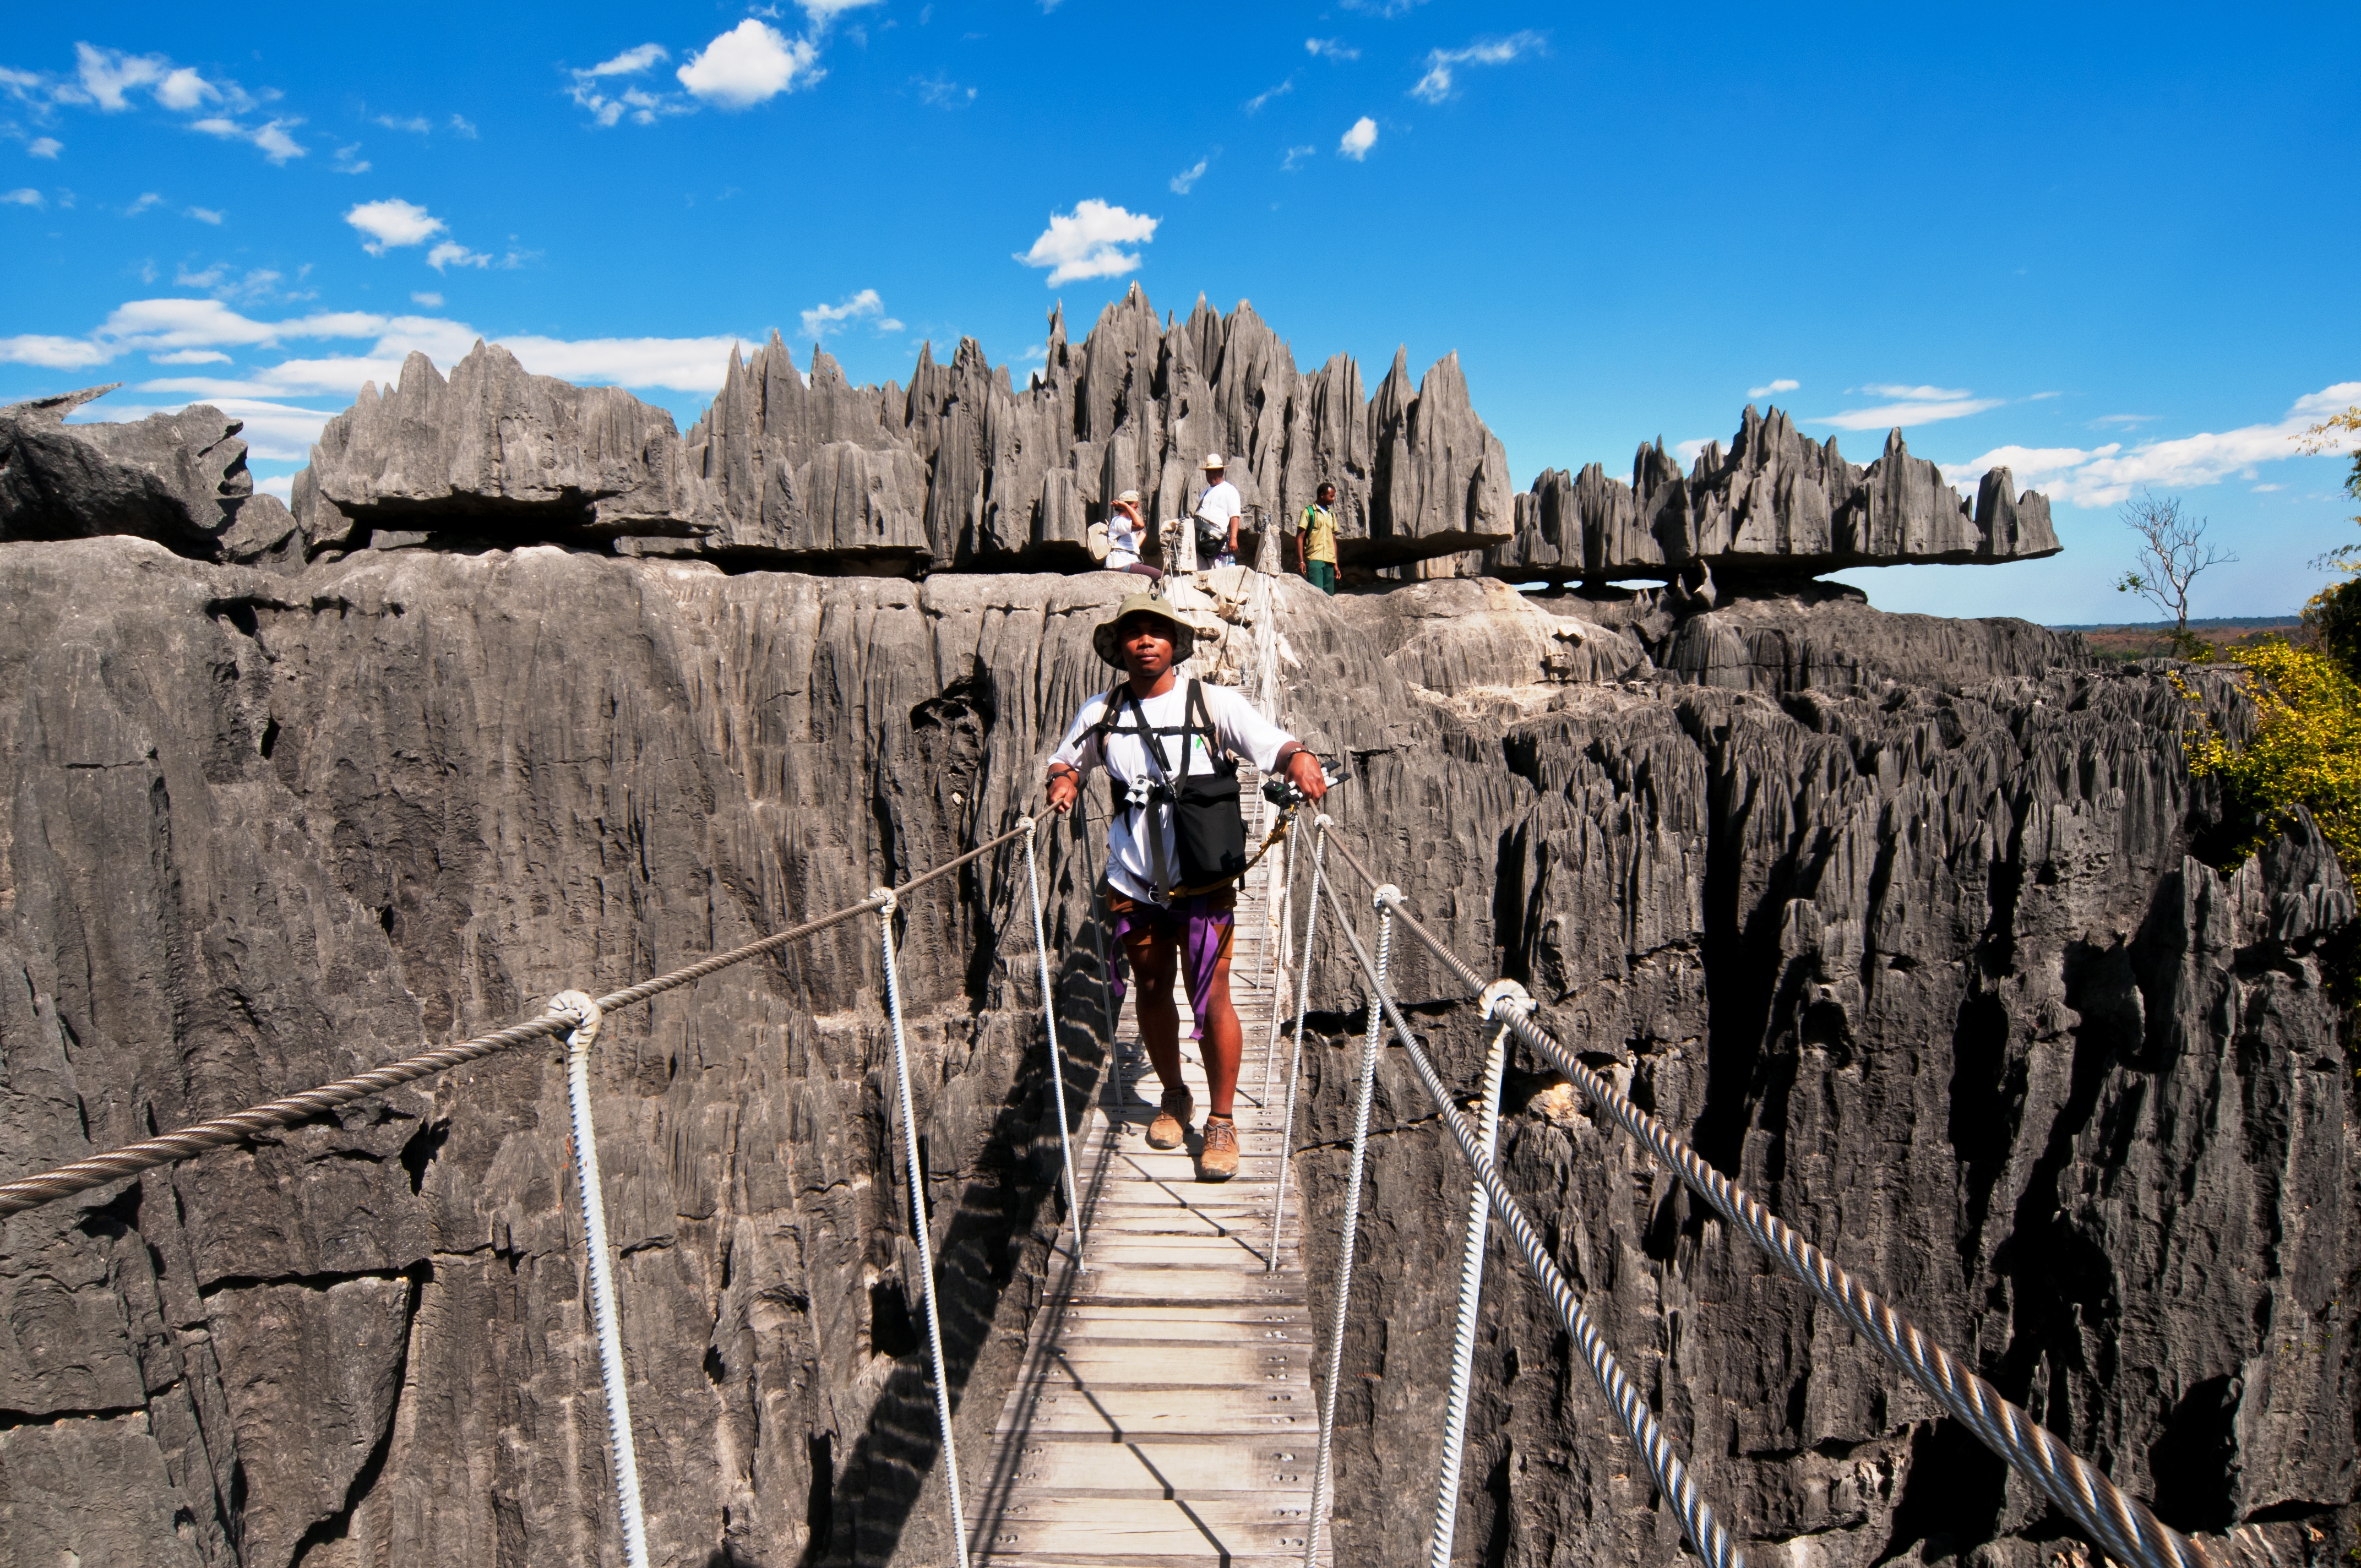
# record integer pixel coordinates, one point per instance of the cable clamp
(1026, 823)
(886, 894)
(1387, 896)
(1506, 993)
(578, 1006)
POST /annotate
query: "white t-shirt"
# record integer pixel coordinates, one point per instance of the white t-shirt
(1218, 506)
(1238, 728)
(1124, 539)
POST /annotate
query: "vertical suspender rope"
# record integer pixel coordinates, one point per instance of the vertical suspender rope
(1057, 1055)
(918, 1226)
(1705, 1532)
(1275, 931)
(1499, 994)
(1295, 1062)
(605, 1321)
(1323, 1474)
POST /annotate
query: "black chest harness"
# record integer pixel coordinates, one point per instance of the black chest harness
(1208, 830)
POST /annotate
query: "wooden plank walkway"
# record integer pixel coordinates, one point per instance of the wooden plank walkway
(1166, 1413)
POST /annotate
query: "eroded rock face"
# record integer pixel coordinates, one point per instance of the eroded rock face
(1775, 502)
(1909, 935)
(178, 478)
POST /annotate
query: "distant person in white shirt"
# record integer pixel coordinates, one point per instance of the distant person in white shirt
(1217, 516)
(1126, 531)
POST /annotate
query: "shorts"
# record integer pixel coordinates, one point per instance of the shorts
(1323, 574)
(1201, 926)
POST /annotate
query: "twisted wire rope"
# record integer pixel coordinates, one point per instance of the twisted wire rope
(1471, 1290)
(1706, 1533)
(2123, 1525)
(96, 1170)
(1295, 1059)
(604, 1318)
(1057, 1053)
(919, 1228)
(1323, 1472)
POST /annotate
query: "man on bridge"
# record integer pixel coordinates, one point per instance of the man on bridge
(1195, 733)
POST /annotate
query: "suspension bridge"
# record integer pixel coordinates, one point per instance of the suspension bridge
(1177, 1400)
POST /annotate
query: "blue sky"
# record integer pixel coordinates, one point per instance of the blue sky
(2112, 247)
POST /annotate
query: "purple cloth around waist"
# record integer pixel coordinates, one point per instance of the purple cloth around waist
(1200, 924)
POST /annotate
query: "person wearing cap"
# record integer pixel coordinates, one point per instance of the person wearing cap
(1126, 530)
(1217, 513)
(1155, 925)
(1316, 540)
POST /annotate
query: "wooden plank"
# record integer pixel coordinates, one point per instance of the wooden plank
(1152, 1469)
(1110, 1413)
(1164, 1536)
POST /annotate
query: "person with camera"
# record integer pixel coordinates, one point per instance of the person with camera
(1217, 513)
(1176, 847)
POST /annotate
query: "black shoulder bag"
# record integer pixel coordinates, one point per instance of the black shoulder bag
(1208, 829)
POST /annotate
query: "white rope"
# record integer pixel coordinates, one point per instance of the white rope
(1322, 1473)
(1057, 1056)
(1706, 1533)
(1500, 994)
(605, 1321)
(1275, 932)
(919, 1227)
(1295, 1063)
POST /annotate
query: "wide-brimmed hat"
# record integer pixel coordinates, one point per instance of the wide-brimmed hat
(1184, 638)
(1129, 497)
(1213, 460)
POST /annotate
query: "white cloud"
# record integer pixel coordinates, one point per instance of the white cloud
(431, 301)
(2106, 476)
(1441, 64)
(630, 63)
(208, 215)
(417, 125)
(1914, 405)
(1088, 241)
(270, 136)
(1294, 158)
(1189, 177)
(643, 107)
(185, 89)
(53, 353)
(23, 196)
(941, 92)
(347, 164)
(1782, 385)
(865, 306)
(451, 252)
(147, 199)
(190, 357)
(463, 126)
(1357, 141)
(823, 12)
(1917, 394)
(279, 485)
(1383, 7)
(751, 62)
(1332, 48)
(1688, 451)
(1255, 103)
(106, 74)
(44, 147)
(391, 224)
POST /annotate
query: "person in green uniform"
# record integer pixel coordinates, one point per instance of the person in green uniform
(1316, 540)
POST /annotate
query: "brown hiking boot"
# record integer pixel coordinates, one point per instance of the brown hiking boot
(1171, 1128)
(1218, 1160)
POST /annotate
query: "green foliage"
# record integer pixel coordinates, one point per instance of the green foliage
(2306, 750)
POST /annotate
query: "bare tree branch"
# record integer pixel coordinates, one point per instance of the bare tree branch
(2172, 553)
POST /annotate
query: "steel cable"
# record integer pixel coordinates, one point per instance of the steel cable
(1295, 1060)
(1706, 1533)
(1057, 1053)
(1322, 1472)
(96, 1170)
(2123, 1525)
